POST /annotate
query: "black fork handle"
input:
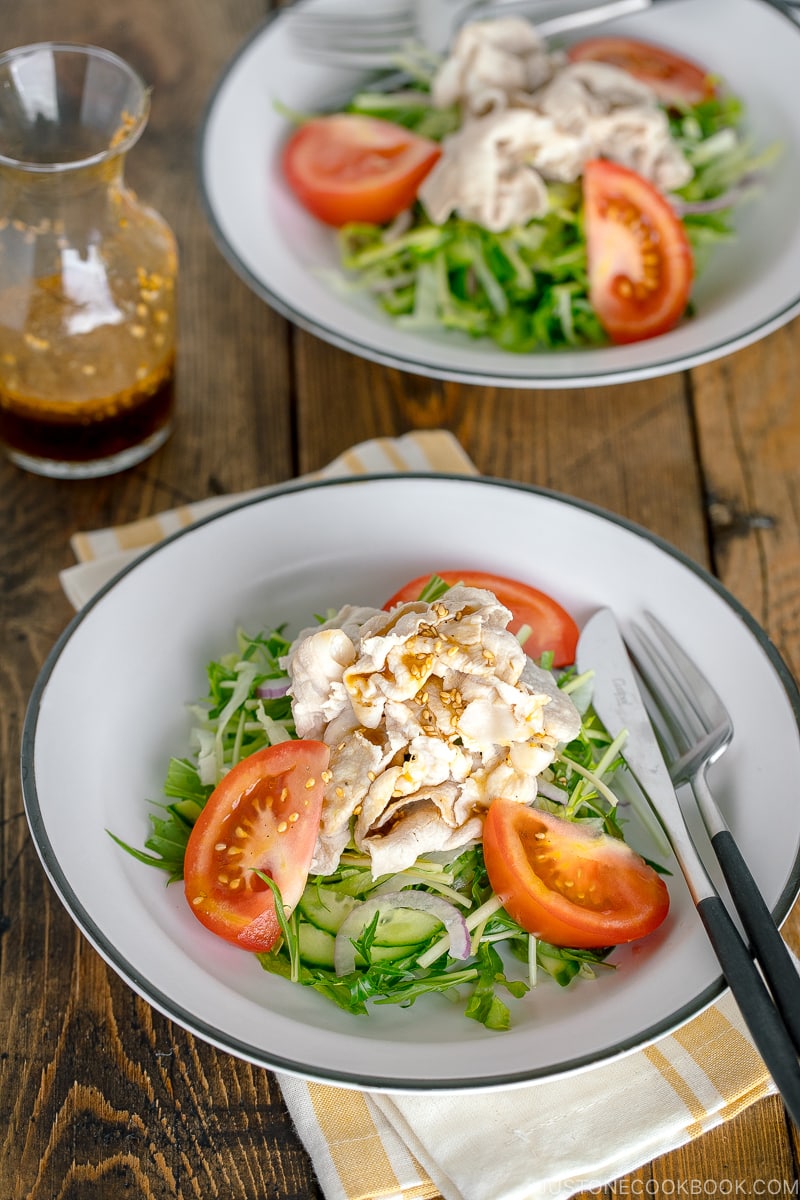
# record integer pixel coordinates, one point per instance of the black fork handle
(766, 943)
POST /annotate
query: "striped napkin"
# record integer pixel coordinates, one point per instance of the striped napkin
(546, 1140)
(101, 553)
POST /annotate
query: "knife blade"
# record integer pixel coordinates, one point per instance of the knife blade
(618, 703)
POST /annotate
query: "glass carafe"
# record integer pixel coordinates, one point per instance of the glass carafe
(87, 272)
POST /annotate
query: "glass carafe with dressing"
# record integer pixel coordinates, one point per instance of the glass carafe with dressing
(88, 273)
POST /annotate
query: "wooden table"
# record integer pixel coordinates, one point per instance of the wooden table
(99, 1095)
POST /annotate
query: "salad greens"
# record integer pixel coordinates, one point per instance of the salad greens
(527, 288)
(401, 954)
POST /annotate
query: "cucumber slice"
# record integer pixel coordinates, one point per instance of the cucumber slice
(187, 810)
(316, 948)
(315, 945)
(405, 927)
(388, 953)
(325, 907)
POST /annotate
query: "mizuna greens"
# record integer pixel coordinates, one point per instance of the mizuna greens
(527, 288)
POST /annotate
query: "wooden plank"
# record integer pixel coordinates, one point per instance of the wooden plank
(748, 427)
(627, 449)
(101, 1096)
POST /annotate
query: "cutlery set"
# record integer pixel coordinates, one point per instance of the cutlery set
(694, 730)
(374, 39)
(351, 38)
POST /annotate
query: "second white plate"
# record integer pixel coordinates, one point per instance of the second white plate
(750, 288)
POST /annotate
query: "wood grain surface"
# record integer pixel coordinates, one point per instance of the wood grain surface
(100, 1096)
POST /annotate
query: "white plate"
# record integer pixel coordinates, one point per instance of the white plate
(750, 287)
(109, 710)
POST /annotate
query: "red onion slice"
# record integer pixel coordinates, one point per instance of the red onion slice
(273, 691)
(685, 208)
(344, 954)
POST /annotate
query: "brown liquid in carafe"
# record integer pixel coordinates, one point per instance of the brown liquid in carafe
(85, 431)
(90, 396)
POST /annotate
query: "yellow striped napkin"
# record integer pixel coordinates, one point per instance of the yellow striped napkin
(101, 553)
(546, 1140)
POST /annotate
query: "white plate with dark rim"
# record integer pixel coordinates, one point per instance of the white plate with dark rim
(750, 287)
(109, 709)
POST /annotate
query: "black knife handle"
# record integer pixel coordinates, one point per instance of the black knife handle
(765, 940)
(755, 1003)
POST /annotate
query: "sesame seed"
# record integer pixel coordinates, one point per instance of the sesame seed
(221, 846)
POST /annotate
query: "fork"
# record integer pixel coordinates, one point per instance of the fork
(362, 37)
(694, 729)
(375, 37)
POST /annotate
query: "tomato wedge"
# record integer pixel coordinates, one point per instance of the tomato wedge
(675, 80)
(640, 261)
(346, 167)
(567, 885)
(264, 815)
(552, 628)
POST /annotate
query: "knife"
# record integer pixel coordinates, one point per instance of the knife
(619, 705)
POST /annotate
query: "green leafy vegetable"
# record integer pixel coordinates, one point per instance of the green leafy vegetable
(527, 288)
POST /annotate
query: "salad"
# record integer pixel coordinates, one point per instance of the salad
(540, 197)
(408, 800)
